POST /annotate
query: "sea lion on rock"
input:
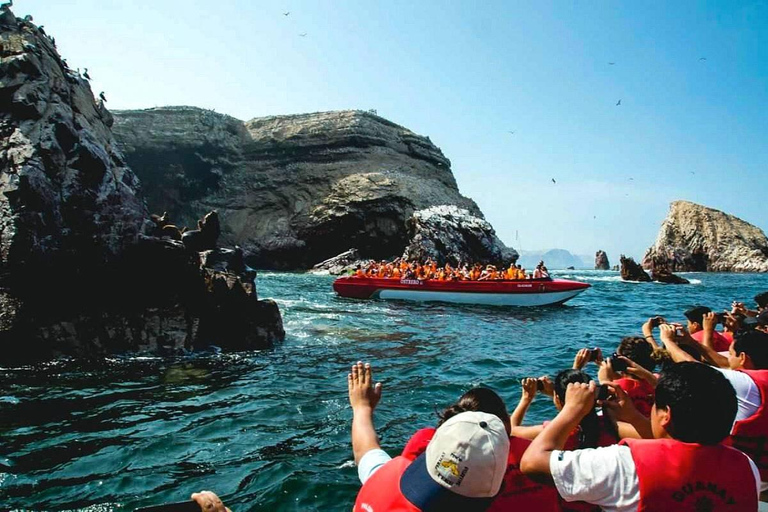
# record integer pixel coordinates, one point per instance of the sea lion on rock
(205, 236)
(163, 228)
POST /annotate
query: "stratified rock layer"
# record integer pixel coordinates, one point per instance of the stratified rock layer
(450, 234)
(77, 276)
(601, 261)
(291, 190)
(697, 238)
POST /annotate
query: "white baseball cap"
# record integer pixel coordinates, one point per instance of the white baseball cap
(463, 466)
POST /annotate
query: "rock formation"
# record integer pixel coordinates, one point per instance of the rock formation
(291, 190)
(631, 271)
(340, 264)
(450, 234)
(77, 274)
(661, 274)
(701, 239)
(601, 261)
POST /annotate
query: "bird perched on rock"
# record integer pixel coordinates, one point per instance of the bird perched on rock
(103, 98)
(28, 18)
(86, 75)
(53, 42)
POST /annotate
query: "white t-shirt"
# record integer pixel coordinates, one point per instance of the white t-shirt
(603, 476)
(370, 462)
(747, 394)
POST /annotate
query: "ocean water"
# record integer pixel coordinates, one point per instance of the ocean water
(269, 430)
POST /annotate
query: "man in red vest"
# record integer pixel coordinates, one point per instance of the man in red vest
(679, 465)
(746, 368)
(461, 469)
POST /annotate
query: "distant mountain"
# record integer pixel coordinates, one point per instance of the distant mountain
(553, 259)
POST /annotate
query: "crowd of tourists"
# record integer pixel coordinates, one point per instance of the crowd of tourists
(676, 420)
(429, 270)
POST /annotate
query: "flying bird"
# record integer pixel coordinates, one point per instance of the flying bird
(86, 75)
(511, 131)
(103, 98)
(286, 13)
(631, 179)
(303, 34)
(553, 181)
(611, 63)
(702, 58)
(618, 103)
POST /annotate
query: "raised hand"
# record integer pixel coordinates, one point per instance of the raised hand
(362, 392)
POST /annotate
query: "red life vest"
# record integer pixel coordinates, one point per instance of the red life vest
(640, 392)
(690, 477)
(751, 434)
(518, 492)
(719, 342)
(381, 492)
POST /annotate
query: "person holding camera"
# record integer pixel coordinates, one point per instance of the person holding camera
(591, 432)
(705, 333)
(631, 368)
(675, 466)
(746, 368)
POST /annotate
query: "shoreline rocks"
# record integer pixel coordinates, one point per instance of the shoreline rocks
(695, 238)
(631, 271)
(78, 274)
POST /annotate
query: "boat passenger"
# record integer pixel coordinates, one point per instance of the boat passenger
(746, 368)
(712, 338)
(693, 412)
(469, 450)
(518, 492)
(638, 380)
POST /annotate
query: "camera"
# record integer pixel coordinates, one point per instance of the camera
(593, 354)
(603, 392)
(720, 317)
(657, 321)
(539, 385)
(618, 364)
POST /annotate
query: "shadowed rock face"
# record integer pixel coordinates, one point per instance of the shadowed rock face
(701, 239)
(77, 276)
(631, 271)
(291, 190)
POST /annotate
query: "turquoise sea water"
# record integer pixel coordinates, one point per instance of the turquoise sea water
(269, 430)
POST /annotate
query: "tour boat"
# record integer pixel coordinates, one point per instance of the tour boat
(529, 292)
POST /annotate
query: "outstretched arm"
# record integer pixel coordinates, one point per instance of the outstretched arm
(526, 397)
(363, 397)
(579, 400)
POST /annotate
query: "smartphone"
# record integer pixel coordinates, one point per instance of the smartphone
(603, 392)
(593, 353)
(539, 385)
(618, 365)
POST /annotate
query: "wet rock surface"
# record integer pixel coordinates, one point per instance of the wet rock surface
(340, 264)
(449, 234)
(291, 190)
(78, 276)
(631, 271)
(694, 238)
(601, 261)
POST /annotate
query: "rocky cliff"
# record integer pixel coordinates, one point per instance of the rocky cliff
(697, 238)
(291, 190)
(78, 275)
(601, 261)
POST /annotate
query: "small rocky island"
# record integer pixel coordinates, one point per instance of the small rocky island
(694, 238)
(84, 270)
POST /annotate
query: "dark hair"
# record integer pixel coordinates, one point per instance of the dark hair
(762, 299)
(754, 343)
(696, 314)
(638, 350)
(702, 401)
(478, 399)
(589, 432)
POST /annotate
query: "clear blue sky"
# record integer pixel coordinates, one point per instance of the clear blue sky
(466, 73)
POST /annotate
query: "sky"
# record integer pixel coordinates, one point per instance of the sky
(692, 78)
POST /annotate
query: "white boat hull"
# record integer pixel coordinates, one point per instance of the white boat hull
(489, 299)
